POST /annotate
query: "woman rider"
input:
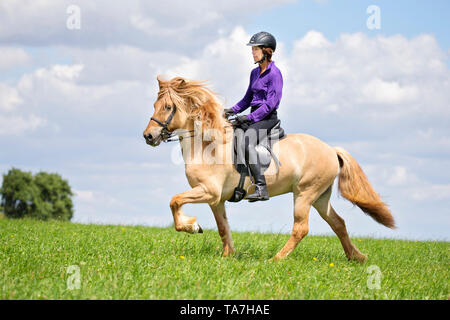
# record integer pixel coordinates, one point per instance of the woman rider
(263, 95)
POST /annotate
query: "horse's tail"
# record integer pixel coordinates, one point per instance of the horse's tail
(355, 187)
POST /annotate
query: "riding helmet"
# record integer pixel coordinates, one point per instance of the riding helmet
(264, 39)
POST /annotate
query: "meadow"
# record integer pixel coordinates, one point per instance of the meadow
(63, 260)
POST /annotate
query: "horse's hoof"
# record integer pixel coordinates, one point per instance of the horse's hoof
(361, 258)
(196, 228)
(273, 259)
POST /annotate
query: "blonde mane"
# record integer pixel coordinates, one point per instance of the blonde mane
(197, 101)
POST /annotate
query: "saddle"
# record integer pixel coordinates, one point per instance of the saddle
(264, 154)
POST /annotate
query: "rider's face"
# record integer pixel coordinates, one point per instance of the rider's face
(257, 53)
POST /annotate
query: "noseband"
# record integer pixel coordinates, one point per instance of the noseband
(165, 132)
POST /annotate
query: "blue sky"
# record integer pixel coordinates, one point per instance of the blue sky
(409, 18)
(76, 101)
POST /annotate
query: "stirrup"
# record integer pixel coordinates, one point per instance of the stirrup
(260, 196)
(239, 192)
(251, 184)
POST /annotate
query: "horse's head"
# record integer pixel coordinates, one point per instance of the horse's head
(169, 113)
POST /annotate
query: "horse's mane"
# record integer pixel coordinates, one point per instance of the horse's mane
(196, 100)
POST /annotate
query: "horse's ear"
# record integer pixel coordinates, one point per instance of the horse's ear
(179, 82)
(161, 82)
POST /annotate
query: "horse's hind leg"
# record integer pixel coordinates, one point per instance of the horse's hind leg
(326, 211)
(300, 229)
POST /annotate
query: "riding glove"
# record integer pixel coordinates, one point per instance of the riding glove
(243, 122)
(228, 112)
(242, 119)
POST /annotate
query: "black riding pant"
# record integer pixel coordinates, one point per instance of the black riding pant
(256, 133)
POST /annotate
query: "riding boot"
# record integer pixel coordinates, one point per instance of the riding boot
(260, 193)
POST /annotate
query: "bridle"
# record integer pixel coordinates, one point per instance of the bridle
(167, 135)
(165, 132)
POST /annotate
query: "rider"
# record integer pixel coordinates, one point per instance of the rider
(263, 95)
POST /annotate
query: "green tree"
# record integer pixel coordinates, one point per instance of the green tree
(54, 199)
(42, 196)
(18, 193)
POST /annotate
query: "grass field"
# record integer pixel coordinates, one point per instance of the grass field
(122, 262)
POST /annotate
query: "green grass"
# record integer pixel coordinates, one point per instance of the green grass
(122, 262)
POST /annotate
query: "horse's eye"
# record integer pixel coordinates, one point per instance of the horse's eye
(168, 107)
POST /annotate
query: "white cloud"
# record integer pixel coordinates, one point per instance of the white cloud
(122, 62)
(62, 72)
(142, 23)
(371, 85)
(57, 87)
(89, 196)
(311, 41)
(225, 62)
(11, 57)
(146, 24)
(388, 92)
(15, 125)
(401, 176)
(84, 195)
(53, 98)
(9, 97)
(430, 192)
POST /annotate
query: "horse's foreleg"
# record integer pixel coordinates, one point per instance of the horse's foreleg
(182, 222)
(223, 227)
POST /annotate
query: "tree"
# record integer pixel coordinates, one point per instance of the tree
(42, 196)
(54, 196)
(18, 193)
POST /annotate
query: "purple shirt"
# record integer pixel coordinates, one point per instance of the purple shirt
(263, 93)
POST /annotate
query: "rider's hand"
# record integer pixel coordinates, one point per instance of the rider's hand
(243, 122)
(228, 112)
(242, 119)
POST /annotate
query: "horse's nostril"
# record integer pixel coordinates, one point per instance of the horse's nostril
(148, 136)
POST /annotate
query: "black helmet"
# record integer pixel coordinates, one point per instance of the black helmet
(263, 39)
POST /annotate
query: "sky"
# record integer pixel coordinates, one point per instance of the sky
(76, 95)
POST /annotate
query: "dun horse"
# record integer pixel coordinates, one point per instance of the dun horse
(309, 168)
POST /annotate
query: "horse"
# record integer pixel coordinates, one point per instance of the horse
(309, 168)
